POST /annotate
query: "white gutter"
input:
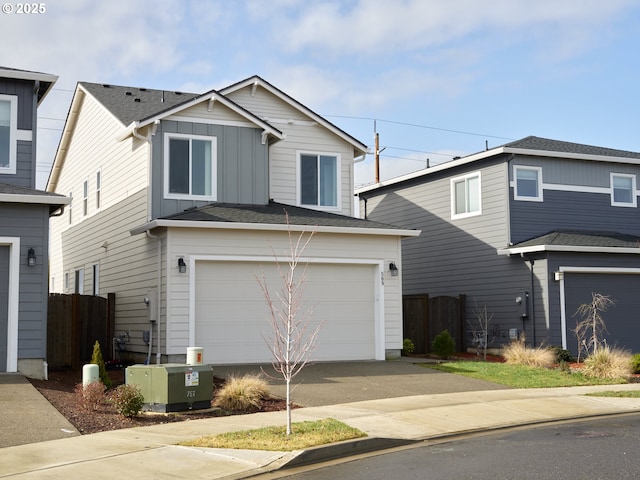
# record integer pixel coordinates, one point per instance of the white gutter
(566, 248)
(42, 199)
(270, 227)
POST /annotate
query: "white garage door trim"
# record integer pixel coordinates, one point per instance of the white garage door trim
(14, 297)
(600, 270)
(379, 333)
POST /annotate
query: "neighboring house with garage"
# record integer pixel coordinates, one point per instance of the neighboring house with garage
(24, 225)
(528, 230)
(178, 202)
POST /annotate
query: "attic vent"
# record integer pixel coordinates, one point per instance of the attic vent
(136, 100)
(142, 89)
(127, 93)
(106, 86)
(178, 93)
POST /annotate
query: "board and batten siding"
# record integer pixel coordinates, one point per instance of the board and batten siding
(234, 244)
(242, 175)
(457, 256)
(570, 204)
(29, 222)
(302, 134)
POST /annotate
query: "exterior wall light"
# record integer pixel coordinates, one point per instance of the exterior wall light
(182, 267)
(394, 269)
(31, 258)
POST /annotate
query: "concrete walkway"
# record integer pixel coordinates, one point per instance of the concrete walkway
(151, 452)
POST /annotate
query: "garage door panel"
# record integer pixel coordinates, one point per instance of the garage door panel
(620, 319)
(232, 315)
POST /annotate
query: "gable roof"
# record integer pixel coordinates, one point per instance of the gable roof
(256, 81)
(271, 217)
(46, 80)
(535, 146)
(577, 241)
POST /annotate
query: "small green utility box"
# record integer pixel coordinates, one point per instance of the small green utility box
(173, 387)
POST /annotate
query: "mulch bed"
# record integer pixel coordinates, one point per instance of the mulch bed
(59, 390)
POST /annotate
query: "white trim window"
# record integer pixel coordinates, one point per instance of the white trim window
(190, 165)
(70, 208)
(98, 188)
(623, 190)
(95, 279)
(78, 281)
(527, 183)
(85, 197)
(466, 196)
(8, 133)
(318, 180)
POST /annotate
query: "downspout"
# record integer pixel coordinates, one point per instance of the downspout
(158, 299)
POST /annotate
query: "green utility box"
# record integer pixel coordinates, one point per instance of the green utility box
(173, 387)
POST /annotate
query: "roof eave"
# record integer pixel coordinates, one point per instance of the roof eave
(162, 223)
(34, 199)
(566, 248)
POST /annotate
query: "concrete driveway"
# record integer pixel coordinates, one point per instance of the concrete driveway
(323, 384)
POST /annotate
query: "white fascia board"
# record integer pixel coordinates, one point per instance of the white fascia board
(566, 248)
(38, 199)
(271, 227)
(361, 147)
(205, 98)
(572, 156)
(26, 75)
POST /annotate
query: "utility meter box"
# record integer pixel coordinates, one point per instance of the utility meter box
(173, 387)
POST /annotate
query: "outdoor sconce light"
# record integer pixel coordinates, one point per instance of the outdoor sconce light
(31, 257)
(394, 269)
(182, 267)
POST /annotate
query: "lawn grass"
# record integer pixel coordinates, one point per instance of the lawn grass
(611, 393)
(303, 435)
(519, 376)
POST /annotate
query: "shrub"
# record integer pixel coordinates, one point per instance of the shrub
(128, 400)
(635, 363)
(443, 345)
(90, 396)
(242, 393)
(407, 346)
(562, 355)
(517, 353)
(608, 362)
(97, 359)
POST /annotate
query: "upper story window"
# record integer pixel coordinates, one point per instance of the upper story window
(466, 196)
(8, 132)
(70, 208)
(85, 197)
(98, 188)
(623, 190)
(319, 180)
(190, 166)
(528, 183)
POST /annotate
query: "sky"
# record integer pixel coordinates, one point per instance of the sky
(434, 78)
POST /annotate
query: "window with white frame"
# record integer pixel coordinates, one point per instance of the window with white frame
(70, 207)
(85, 197)
(66, 281)
(527, 183)
(319, 180)
(8, 133)
(95, 280)
(623, 190)
(98, 188)
(466, 196)
(78, 286)
(190, 166)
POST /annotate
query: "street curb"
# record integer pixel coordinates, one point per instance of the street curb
(347, 448)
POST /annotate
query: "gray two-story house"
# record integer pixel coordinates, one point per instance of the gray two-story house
(24, 225)
(528, 230)
(178, 207)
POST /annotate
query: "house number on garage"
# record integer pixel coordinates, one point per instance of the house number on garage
(191, 379)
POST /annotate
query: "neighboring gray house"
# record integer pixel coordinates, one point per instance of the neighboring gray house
(528, 230)
(24, 225)
(179, 202)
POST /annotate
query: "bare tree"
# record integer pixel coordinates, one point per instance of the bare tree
(590, 330)
(293, 338)
(480, 330)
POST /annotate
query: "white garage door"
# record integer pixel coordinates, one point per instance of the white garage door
(232, 316)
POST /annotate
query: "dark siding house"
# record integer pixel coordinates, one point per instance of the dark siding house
(528, 230)
(24, 225)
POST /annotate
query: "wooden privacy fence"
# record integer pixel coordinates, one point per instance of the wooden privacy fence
(423, 318)
(74, 323)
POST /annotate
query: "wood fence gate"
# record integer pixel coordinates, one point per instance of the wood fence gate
(423, 318)
(74, 323)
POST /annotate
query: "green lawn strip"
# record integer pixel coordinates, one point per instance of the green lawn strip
(303, 435)
(611, 393)
(519, 376)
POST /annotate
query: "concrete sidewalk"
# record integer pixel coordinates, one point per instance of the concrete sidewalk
(151, 452)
